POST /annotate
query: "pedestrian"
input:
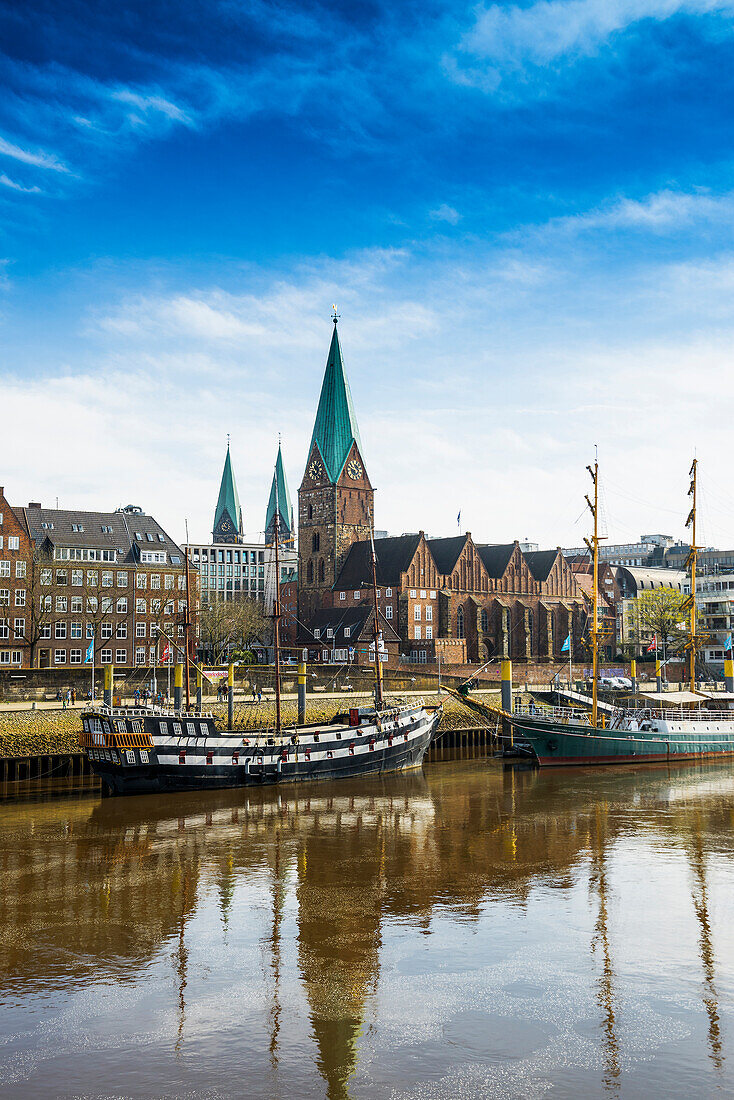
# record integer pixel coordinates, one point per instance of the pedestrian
(58, 695)
(137, 696)
(73, 697)
(63, 703)
(259, 694)
(254, 694)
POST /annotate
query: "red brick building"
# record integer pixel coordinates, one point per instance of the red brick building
(114, 580)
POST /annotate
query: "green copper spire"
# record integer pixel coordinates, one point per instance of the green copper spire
(228, 516)
(336, 428)
(285, 507)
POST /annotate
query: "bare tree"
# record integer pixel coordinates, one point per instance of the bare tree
(230, 626)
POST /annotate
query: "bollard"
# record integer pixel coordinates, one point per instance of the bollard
(198, 689)
(301, 694)
(507, 691)
(659, 675)
(230, 696)
(109, 681)
(177, 685)
(633, 675)
(729, 673)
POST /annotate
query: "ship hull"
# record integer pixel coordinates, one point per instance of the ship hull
(555, 744)
(214, 761)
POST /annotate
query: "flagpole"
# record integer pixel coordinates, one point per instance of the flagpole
(92, 669)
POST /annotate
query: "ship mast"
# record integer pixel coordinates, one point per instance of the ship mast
(276, 609)
(376, 623)
(691, 563)
(187, 626)
(594, 551)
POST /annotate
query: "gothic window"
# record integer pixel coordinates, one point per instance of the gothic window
(531, 630)
(316, 542)
(460, 623)
(321, 571)
(310, 511)
(309, 572)
(484, 617)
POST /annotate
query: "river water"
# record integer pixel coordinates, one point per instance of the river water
(470, 931)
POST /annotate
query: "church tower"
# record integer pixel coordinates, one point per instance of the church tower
(228, 516)
(279, 491)
(336, 499)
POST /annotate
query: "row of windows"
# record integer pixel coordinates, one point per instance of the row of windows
(236, 570)
(428, 632)
(358, 595)
(13, 542)
(418, 610)
(11, 656)
(5, 597)
(230, 556)
(20, 568)
(76, 657)
(78, 553)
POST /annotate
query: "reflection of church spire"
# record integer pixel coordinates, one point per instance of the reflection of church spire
(181, 957)
(705, 942)
(605, 988)
(226, 892)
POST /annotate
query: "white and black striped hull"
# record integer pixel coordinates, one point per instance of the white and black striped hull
(207, 759)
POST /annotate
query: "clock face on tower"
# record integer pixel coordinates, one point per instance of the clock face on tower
(315, 470)
(225, 525)
(354, 470)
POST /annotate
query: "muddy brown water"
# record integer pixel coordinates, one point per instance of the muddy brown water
(469, 931)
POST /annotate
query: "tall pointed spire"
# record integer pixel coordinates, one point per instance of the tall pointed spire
(336, 428)
(279, 492)
(228, 516)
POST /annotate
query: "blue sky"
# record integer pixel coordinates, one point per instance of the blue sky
(523, 211)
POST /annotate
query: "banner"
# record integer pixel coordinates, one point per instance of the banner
(214, 675)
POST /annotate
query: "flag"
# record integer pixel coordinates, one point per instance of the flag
(566, 647)
(653, 646)
(727, 643)
(458, 520)
(166, 652)
(90, 653)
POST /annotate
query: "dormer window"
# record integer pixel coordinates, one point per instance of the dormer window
(106, 529)
(138, 536)
(317, 633)
(77, 527)
(347, 631)
(329, 632)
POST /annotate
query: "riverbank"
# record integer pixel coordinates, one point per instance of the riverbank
(50, 730)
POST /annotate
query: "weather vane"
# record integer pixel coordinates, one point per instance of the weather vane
(335, 315)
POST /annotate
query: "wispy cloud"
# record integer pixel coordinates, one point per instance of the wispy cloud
(6, 181)
(38, 158)
(506, 40)
(446, 213)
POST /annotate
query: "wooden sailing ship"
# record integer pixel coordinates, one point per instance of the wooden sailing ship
(150, 749)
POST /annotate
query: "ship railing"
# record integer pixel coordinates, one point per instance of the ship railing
(676, 713)
(557, 714)
(145, 712)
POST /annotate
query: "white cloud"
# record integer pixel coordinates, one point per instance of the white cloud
(38, 159)
(511, 38)
(446, 213)
(6, 181)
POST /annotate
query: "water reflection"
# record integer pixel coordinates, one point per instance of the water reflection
(103, 891)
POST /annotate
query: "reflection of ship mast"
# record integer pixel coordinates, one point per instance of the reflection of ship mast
(181, 958)
(605, 992)
(278, 896)
(701, 905)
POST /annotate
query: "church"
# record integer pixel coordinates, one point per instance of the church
(449, 598)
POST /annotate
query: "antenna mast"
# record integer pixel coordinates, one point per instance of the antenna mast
(691, 563)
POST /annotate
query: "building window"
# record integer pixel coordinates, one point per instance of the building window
(155, 580)
(20, 569)
(121, 631)
(433, 595)
(413, 594)
(61, 576)
(60, 630)
(106, 630)
(19, 628)
(317, 633)
(429, 614)
(20, 597)
(322, 571)
(75, 656)
(342, 595)
(423, 593)
(105, 657)
(417, 613)
(140, 607)
(77, 577)
(309, 572)
(46, 576)
(59, 656)
(315, 542)
(106, 579)
(122, 580)
(62, 604)
(142, 580)
(140, 655)
(388, 611)
(76, 605)
(460, 623)
(388, 591)
(122, 605)
(484, 619)
(75, 630)
(46, 630)
(429, 632)
(347, 631)
(120, 656)
(140, 630)
(417, 632)
(92, 578)
(329, 632)
(4, 597)
(13, 542)
(4, 629)
(357, 595)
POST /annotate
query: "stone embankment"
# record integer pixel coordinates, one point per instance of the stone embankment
(25, 733)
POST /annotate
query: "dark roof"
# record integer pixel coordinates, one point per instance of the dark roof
(496, 557)
(393, 555)
(57, 526)
(446, 552)
(352, 618)
(540, 562)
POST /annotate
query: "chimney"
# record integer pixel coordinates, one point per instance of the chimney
(33, 504)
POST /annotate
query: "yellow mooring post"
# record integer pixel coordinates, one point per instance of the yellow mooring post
(109, 681)
(177, 686)
(507, 692)
(230, 696)
(302, 693)
(633, 675)
(729, 673)
(659, 675)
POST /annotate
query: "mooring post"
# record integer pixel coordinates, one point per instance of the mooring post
(659, 675)
(633, 675)
(198, 690)
(177, 686)
(507, 692)
(230, 696)
(109, 682)
(729, 672)
(302, 693)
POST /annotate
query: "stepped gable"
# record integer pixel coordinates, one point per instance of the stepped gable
(393, 557)
(335, 429)
(446, 552)
(540, 562)
(496, 557)
(228, 515)
(279, 491)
